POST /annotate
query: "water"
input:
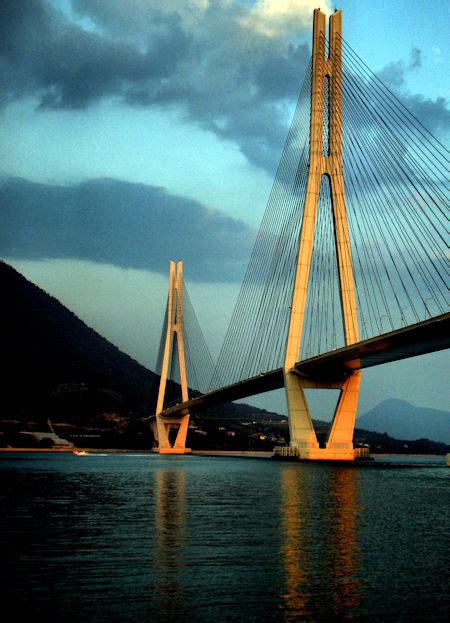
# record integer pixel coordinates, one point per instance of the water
(143, 538)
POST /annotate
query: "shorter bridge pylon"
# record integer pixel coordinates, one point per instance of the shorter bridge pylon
(163, 425)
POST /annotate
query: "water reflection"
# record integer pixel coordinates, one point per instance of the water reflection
(343, 540)
(293, 548)
(170, 541)
(220, 539)
(319, 543)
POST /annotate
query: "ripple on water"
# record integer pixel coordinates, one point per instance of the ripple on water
(122, 537)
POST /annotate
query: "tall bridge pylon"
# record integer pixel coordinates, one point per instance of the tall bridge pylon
(325, 161)
(174, 342)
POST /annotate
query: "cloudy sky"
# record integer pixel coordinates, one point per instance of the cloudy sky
(139, 131)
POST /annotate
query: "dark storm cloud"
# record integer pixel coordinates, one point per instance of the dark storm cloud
(124, 224)
(64, 66)
(228, 78)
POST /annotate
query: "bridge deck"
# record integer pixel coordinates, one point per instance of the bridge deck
(418, 339)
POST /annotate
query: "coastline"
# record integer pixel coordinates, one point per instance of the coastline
(73, 449)
(230, 453)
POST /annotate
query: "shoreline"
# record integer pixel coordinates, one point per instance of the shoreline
(75, 449)
(260, 454)
(243, 453)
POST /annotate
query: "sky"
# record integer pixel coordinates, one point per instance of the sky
(137, 132)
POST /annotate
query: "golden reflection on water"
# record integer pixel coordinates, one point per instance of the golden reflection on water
(293, 550)
(343, 538)
(320, 563)
(170, 538)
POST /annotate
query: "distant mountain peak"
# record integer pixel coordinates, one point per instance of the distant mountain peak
(403, 420)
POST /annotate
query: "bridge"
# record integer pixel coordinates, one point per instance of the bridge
(348, 269)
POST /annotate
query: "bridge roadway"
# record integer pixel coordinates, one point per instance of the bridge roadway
(424, 337)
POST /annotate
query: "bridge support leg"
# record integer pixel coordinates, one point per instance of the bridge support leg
(180, 441)
(340, 435)
(301, 429)
(161, 431)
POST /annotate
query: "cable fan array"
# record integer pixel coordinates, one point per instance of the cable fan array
(395, 176)
(199, 363)
(256, 336)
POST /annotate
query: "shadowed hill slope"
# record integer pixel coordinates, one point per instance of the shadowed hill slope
(47, 351)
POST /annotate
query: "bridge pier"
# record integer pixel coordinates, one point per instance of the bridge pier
(162, 427)
(303, 439)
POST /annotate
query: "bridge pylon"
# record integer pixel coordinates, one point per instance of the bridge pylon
(325, 160)
(163, 425)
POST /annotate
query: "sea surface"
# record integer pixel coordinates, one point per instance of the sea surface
(129, 537)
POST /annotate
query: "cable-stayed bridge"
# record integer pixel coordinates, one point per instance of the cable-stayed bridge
(349, 268)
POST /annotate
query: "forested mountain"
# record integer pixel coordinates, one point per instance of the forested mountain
(56, 366)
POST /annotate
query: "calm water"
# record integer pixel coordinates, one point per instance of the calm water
(143, 538)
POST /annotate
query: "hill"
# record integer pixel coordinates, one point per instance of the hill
(57, 367)
(403, 420)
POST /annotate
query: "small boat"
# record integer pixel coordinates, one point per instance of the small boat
(79, 452)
